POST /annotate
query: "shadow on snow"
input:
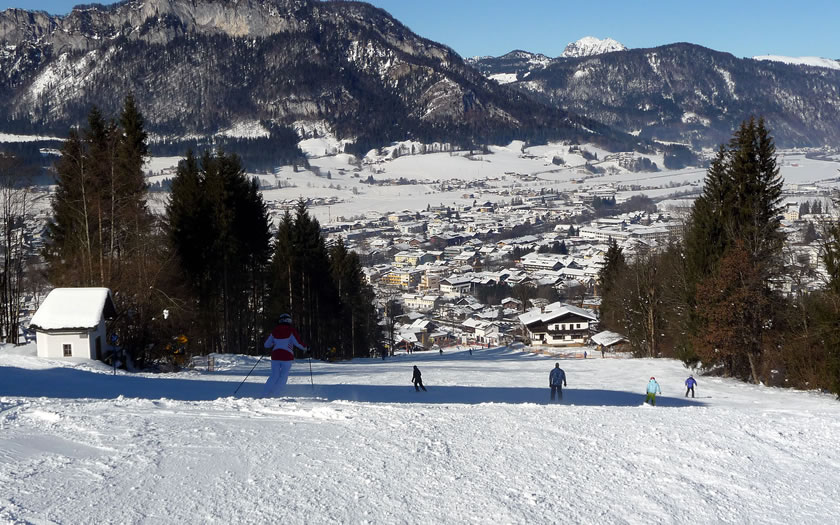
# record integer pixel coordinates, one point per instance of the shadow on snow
(79, 384)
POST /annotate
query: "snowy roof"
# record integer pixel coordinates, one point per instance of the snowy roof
(607, 338)
(553, 311)
(420, 324)
(74, 308)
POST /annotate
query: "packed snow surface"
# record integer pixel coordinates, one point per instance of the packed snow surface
(483, 445)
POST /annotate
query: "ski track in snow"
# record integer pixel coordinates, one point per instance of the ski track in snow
(483, 445)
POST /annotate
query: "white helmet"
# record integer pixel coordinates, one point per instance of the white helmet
(285, 319)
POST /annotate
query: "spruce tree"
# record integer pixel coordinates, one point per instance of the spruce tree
(614, 268)
(94, 205)
(323, 289)
(736, 219)
(831, 258)
(218, 228)
(68, 250)
(356, 302)
(804, 209)
(101, 232)
(706, 239)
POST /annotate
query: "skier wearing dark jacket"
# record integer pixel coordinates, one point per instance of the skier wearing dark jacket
(557, 380)
(282, 343)
(417, 380)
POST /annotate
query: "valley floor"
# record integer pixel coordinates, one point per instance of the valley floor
(483, 445)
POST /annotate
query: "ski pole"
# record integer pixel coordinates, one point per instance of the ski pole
(246, 377)
(311, 381)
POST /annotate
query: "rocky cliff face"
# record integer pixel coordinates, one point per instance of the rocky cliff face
(199, 66)
(688, 93)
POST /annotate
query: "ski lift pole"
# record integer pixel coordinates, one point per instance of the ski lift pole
(246, 377)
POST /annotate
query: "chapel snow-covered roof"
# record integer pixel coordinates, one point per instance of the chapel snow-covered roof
(74, 309)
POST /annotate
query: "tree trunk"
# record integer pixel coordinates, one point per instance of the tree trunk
(753, 370)
(85, 214)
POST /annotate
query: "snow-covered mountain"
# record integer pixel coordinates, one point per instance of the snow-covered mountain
(518, 64)
(198, 68)
(802, 61)
(686, 93)
(590, 45)
(509, 67)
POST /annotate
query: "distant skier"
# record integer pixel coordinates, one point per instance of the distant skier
(556, 381)
(652, 390)
(689, 385)
(470, 350)
(282, 341)
(417, 379)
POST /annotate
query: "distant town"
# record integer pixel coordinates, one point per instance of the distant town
(497, 273)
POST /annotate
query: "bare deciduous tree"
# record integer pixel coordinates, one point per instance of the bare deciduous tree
(15, 189)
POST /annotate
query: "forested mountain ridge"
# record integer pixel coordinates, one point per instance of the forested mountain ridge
(685, 92)
(199, 67)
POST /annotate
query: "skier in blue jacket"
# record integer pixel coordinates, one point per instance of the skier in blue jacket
(652, 390)
(557, 380)
(689, 385)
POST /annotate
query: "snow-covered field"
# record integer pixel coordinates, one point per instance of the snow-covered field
(483, 445)
(454, 178)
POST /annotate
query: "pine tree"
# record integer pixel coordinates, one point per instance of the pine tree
(101, 232)
(804, 209)
(218, 228)
(356, 301)
(614, 268)
(810, 234)
(831, 258)
(737, 217)
(68, 251)
(706, 239)
(563, 249)
(128, 211)
(323, 289)
(99, 205)
(733, 304)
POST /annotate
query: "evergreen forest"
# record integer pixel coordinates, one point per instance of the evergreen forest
(209, 274)
(712, 299)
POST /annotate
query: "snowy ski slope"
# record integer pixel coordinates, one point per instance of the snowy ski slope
(483, 445)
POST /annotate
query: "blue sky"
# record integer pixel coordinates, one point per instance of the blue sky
(494, 27)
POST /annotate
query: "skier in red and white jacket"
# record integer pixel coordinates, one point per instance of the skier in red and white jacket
(282, 341)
